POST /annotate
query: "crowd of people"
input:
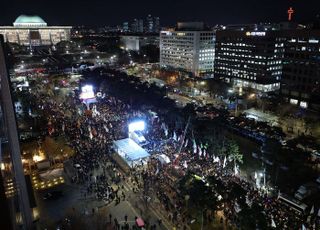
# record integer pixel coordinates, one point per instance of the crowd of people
(92, 131)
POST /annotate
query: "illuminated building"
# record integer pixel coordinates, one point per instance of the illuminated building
(250, 59)
(17, 191)
(152, 24)
(131, 42)
(190, 48)
(137, 26)
(125, 27)
(33, 31)
(301, 68)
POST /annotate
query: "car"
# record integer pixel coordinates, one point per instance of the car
(54, 195)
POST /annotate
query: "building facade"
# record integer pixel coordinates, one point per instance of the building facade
(33, 31)
(249, 59)
(12, 176)
(189, 48)
(300, 83)
(135, 42)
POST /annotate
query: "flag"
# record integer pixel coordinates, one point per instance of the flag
(312, 210)
(194, 147)
(216, 159)
(166, 132)
(273, 224)
(235, 170)
(106, 128)
(186, 143)
(185, 164)
(163, 126)
(199, 151)
(303, 227)
(174, 136)
(224, 162)
(237, 207)
(248, 201)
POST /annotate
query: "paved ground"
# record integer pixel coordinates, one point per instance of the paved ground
(52, 211)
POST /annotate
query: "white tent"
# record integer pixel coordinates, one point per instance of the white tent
(130, 151)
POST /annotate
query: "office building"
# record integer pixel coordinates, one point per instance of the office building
(300, 83)
(125, 27)
(189, 47)
(137, 26)
(152, 24)
(17, 194)
(33, 31)
(135, 42)
(156, 24)
(249, 59)
(149, 24)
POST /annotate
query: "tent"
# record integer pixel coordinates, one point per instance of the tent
(130, 151)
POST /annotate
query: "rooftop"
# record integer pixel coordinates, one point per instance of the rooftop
(25, 20)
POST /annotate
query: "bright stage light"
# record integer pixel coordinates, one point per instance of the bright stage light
(87, 92)
(136, 126)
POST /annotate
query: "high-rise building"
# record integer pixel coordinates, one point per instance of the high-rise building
(190, 47)
(152, 24)
(301, 68)
(156, 24)
(140, 26)
(33, 31)
(12, 173)
(125, 27)
(149, 24)
(250, 59)
(134, 26)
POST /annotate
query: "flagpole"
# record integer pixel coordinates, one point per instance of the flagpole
(184, 135)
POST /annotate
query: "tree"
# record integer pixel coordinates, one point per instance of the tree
(234, 153)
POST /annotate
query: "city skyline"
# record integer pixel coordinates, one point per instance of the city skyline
(106, 13)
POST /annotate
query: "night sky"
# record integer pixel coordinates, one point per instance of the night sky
(113, 12)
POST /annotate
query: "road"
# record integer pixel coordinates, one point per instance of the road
(52, 211)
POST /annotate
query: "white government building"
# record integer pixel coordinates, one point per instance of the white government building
(34, 31)
(190, 47)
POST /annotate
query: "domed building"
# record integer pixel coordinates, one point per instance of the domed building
(34, 31)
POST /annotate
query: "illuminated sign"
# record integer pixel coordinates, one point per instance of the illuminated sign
(290, 13)
(181, 34)
(255, 33)
(87, 92)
